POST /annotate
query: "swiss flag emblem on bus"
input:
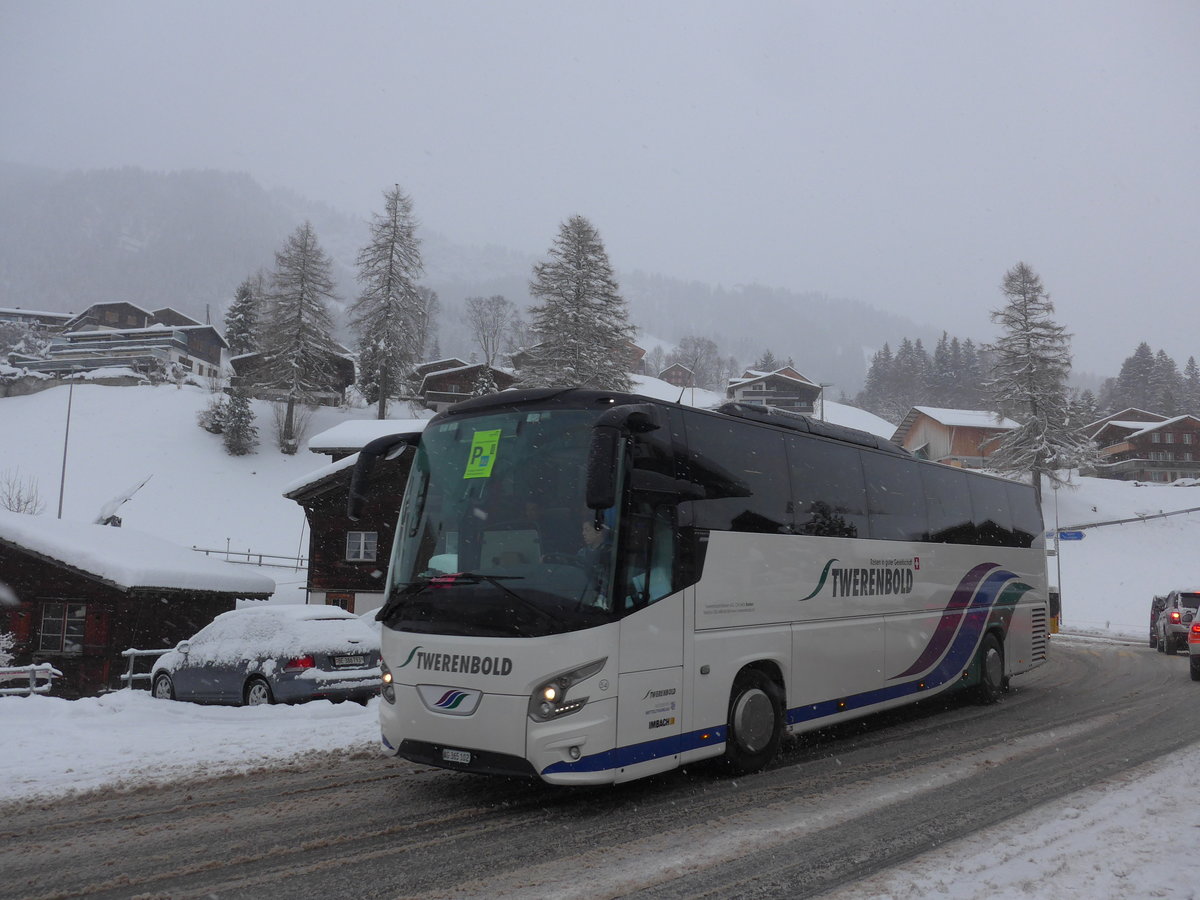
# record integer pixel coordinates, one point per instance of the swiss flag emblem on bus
(916, 563)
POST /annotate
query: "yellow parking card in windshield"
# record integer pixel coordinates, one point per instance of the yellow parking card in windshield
(483, 454)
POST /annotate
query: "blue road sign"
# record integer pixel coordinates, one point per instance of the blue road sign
(1070, 535)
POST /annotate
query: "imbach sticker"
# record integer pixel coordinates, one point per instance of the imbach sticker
(483, 454)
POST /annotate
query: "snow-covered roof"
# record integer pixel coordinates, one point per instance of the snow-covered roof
(967, 418)
(128, 558)
(778, 373)
(357, 433)
(1140, 428)
(305, 481)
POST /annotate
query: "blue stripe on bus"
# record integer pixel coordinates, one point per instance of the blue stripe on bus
(987, 597)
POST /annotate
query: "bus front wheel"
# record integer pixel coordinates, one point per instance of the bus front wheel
(992, 681)
(755, 722)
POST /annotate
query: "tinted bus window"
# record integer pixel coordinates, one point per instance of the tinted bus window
(743, 470)
(948, 500)
(1027, 518)
(989, 499)
(828, 493)
(895, 498)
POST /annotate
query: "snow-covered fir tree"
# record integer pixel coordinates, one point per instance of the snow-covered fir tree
(389, 314)
(1191, 387)
(241, 319)
(239, 432)
(298, 343)
(582, 324)
(485, 383)
(1032, 359)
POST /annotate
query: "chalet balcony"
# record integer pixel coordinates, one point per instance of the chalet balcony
(777, 398)
(1130, 468)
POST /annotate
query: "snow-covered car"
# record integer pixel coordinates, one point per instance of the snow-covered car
(1175, 620)
(273, 654)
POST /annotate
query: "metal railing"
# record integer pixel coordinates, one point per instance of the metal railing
(1141, 518)
(133, 656)
(250, 558)
(34, 674)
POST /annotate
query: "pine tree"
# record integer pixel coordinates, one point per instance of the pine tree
(1166, 385)
(875, 397)
(240, 434)
(1191, 387)
(484, 382)
(1134, 385)
(299, 342)
(389, 315)
(942, 377)
(767, 363)
(241, 320)
(583, 322)
(1029, 383)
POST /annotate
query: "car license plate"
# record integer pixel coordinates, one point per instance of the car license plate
(349, 660)
(462, 757)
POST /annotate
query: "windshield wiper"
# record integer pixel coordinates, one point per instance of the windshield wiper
(412, 588)
(496, 581)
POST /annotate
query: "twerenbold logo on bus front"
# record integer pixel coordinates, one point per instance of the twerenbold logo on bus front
(460, 663)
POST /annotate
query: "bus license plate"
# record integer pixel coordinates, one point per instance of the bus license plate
(456, 756)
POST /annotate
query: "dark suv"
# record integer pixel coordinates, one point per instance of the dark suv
(1156, 607)
(1175, 620)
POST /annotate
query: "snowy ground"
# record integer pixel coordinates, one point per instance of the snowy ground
(1107, 841)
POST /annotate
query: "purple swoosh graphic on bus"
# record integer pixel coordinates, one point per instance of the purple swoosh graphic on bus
(947, 626)
(990, 594)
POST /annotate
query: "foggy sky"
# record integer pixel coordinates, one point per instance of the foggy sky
(903, 154)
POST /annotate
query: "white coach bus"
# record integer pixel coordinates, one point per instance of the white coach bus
(591, 587)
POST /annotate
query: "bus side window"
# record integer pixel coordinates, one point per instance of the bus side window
(743, 470)
(1027, 518)
(950, 518)
(828, 493)
(989, 499)
(895, 498)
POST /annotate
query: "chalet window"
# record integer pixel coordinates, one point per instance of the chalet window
(360, 546)
(62, 627)
(1169, 438)
(1155, 438)
(1187, 438)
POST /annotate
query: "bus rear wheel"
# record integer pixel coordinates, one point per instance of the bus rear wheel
(992, 682)
(755, 722)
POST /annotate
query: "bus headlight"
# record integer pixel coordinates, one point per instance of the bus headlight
(549, 699)
(385, 675)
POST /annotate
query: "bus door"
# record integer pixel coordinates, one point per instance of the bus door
(650, 697)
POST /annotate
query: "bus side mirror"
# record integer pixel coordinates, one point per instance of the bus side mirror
(635, 418)
(602, 467)
(389, 446)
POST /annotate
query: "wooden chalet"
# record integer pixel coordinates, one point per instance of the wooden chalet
(86, 592)
(783, 388)
(347, 558)
(249, 368)
(957, 437)
(121, 334)
(442, 388)
(1135, 449)
(679, 375)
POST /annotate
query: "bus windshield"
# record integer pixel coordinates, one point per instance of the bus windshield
(494, 535)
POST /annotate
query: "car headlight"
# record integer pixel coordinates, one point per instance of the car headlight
(549, 699)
